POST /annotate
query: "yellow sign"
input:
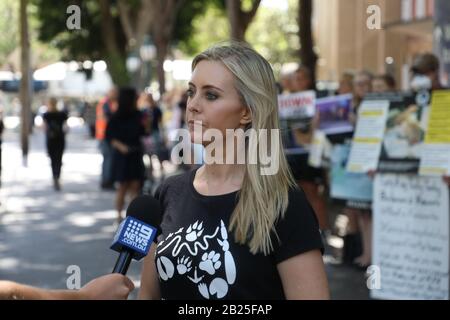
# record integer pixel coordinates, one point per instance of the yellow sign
(439, 122)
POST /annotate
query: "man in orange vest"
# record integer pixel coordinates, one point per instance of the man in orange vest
(104, 111)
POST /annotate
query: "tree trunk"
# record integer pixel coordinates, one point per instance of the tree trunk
(26, 80)
(114, 58)
(161, 52)
(308, 57)
(135, 23)
(234, 12)
(164, 19)
(240, 20)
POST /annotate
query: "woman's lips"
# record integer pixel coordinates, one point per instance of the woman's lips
(195, 123)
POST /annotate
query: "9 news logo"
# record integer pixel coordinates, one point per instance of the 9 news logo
(137, 235)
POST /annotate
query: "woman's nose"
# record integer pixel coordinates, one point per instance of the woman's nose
(193, 105)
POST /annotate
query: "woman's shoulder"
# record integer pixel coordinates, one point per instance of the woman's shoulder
(299, 209)
(297, 196)
(298, 230)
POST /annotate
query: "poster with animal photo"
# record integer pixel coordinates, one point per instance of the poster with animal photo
(404, 134)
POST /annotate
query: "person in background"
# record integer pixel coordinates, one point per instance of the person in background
(287, 82)
(380, 84)
(362, 85)
(428, 65)
(346, 83)
(104, 111)
(109, 287)
(124, 132)
(88, 115)
(353, 253)
(383, 83)
(55, 131)
(152, 120)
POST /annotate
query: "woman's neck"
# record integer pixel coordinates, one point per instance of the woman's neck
(213, 179)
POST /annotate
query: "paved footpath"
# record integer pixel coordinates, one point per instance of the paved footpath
(43, 232)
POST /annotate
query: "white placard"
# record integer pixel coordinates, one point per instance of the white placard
(298, 105)
(370, 128)
(435, 160)
(317, 149)
(411, 237)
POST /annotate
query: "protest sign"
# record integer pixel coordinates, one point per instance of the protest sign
(366, 146)
(334, 114)
(435, 158)
(411, 237)
(346, 185)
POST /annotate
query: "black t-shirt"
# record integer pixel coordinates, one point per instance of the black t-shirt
(55, 124)
(197, 258)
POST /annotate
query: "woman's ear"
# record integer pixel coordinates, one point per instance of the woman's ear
(246, 117)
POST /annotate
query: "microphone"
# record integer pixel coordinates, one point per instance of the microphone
(136, 232)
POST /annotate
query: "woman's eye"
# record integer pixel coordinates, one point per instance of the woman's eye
(190, 93)
(211, 96)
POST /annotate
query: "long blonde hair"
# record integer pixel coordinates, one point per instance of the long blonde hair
(263, 199)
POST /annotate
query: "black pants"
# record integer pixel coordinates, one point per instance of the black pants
(55, 149)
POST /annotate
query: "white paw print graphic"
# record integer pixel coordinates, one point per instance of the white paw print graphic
(203, 288)
(210, 262)
(194, 231)
(184, 265)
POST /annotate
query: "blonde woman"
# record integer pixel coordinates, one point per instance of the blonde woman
(228, 231)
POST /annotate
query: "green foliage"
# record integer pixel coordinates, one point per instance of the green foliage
(278, 43)
(86, 43)
(9, 28)
(82, 44)
(209, 28)
(273, 32)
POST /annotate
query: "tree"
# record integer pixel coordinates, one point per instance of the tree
(308, 56)
(115, 53)
(136, 19)
(240, 18)
(101, 35)
(25, 82)
(111, 29)
(164, 18)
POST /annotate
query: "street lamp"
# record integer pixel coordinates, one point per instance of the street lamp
(148, 53)
(133, 64)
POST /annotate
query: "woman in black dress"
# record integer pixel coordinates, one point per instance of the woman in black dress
(55, 138)
(124, 132)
